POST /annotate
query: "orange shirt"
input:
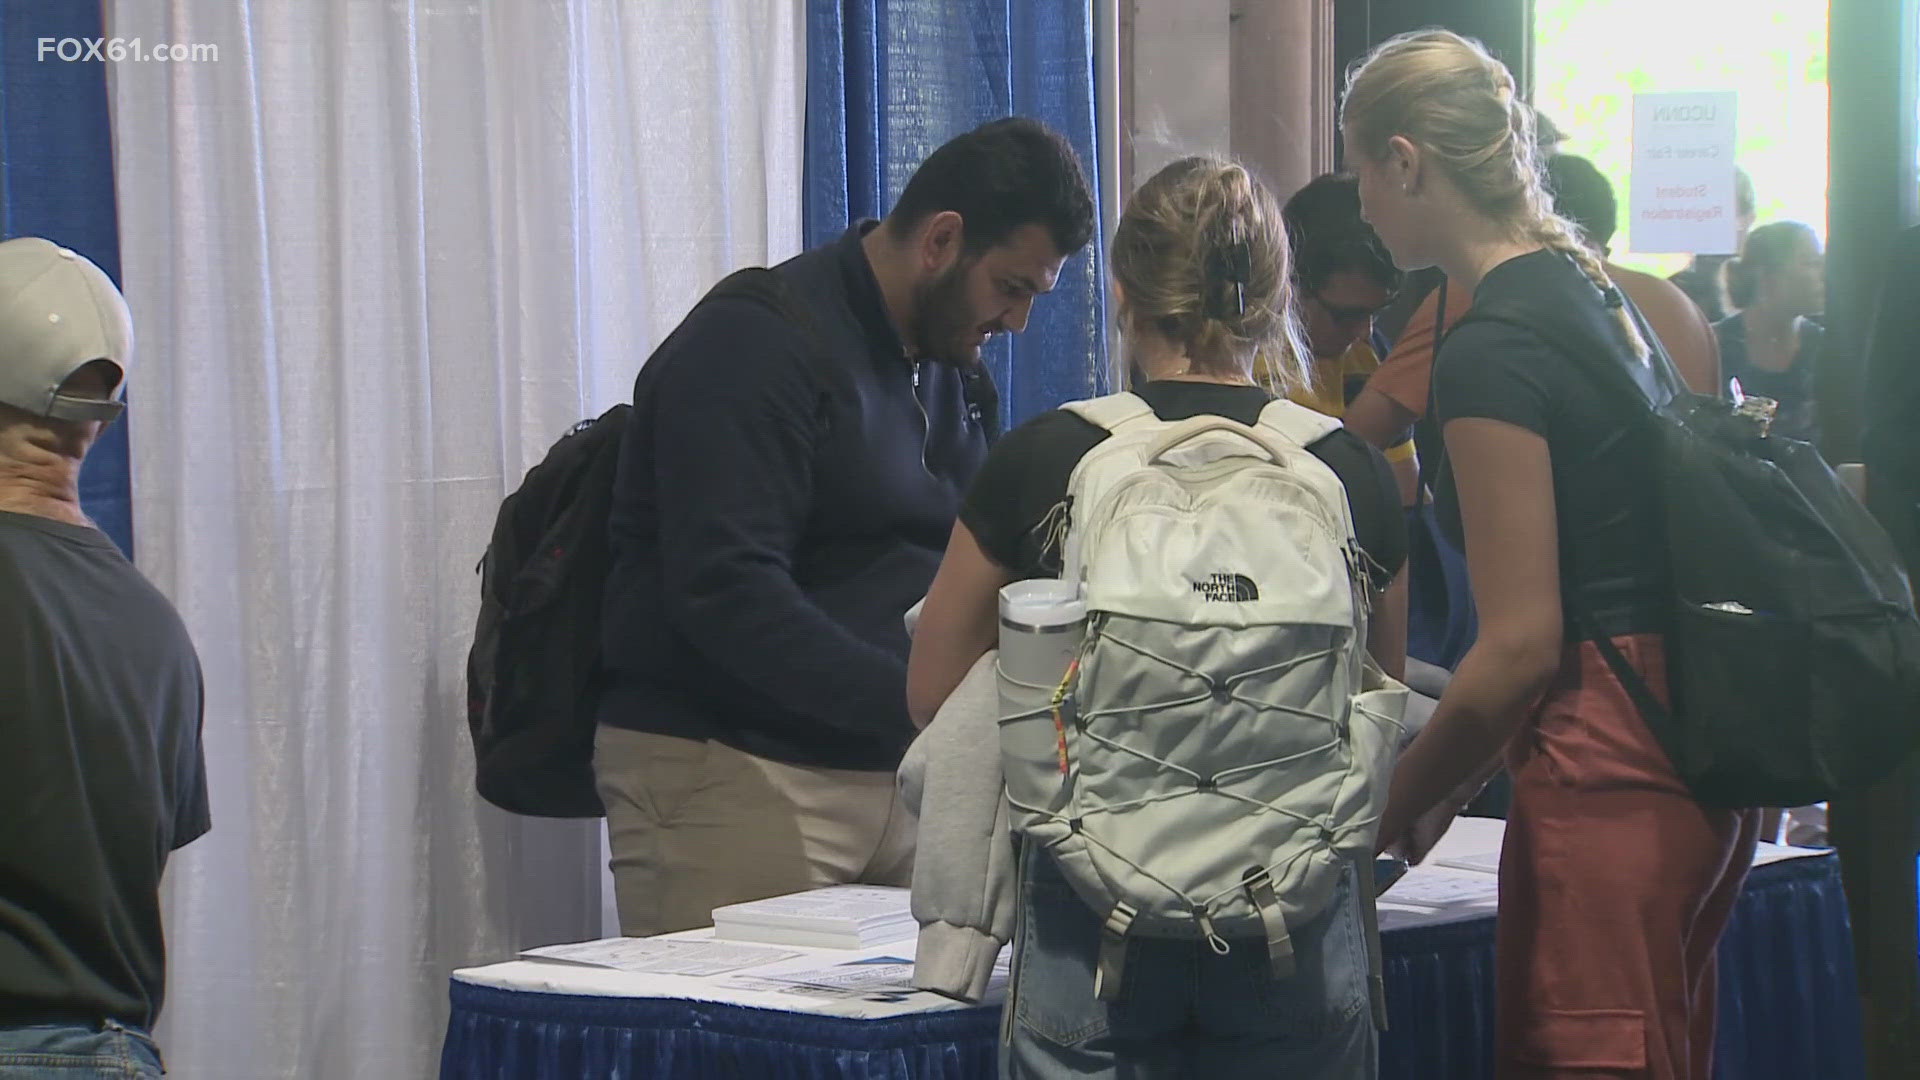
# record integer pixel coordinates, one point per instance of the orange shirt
(1407, 371)
(1680, 325)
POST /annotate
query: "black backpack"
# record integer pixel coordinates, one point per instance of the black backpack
(533, 675)
(1794, 650)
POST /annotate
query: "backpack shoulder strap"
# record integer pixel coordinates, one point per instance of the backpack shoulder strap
(1116, 414)
(1297, 423)
(1428, 443)
(1303, 427)
(1592, 354)
(1113, 412)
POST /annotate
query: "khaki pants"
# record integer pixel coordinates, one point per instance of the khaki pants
(698, 825)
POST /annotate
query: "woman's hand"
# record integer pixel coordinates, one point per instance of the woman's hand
(1428, 830)
(1415, 843)
(1417, 838)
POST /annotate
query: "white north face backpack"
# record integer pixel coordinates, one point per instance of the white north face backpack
(1221, 745)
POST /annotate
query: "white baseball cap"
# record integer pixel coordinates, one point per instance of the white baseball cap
(58, 313)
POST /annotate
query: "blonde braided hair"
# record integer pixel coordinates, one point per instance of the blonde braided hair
(1449, 96)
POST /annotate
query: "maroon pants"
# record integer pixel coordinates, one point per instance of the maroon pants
(1614, 887)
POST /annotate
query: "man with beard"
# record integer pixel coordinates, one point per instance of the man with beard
(787, 483)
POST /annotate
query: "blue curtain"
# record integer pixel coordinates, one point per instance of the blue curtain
(56, 181)
(888, 81)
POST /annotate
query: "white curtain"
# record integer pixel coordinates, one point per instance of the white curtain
(380, 254)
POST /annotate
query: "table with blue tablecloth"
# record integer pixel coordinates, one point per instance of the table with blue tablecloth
(1788, 1010)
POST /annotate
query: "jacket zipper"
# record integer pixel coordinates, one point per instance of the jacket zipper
(926, 422)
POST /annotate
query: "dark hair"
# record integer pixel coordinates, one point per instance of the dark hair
(1769, 248)
(1000, 177)
(1583, 196)
(1329, 235)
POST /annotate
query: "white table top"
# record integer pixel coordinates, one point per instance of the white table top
(752, 987)
(761, 986)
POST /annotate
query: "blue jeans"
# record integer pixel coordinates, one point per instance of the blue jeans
(1184, 1011)
(109, 1051)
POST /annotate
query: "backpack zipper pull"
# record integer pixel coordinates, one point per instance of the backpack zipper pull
(1059, 719)
(1214, 941)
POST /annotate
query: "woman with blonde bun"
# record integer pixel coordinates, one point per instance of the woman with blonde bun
(1201, 274)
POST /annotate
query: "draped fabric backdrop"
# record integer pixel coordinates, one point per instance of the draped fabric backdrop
(56, 181)
(888, 81)
(380, 256)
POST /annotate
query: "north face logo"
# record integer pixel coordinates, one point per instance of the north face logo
(1228, 588)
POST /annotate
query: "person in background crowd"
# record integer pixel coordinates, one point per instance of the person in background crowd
(1772, 343)
(100, 699)
(783, 496)
(1615, 884)
(1195, 334)
(1702, 279)
(1585, 197)
(1393, 404)
(1342, 277)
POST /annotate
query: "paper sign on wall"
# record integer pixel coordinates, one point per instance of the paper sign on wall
(1682, 199)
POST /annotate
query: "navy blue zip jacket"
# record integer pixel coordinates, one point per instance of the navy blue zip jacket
(774, 516)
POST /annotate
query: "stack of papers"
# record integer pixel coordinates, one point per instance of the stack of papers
(661, 956)
(875, 979)
(1487, 862)
(839, 917)
(1436, 887)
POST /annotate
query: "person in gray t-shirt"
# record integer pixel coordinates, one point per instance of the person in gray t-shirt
(100, 697)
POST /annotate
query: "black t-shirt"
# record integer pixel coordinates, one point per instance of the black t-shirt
(1798, 417)
(1015, 499)
(100, 699)
(1610, 542)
